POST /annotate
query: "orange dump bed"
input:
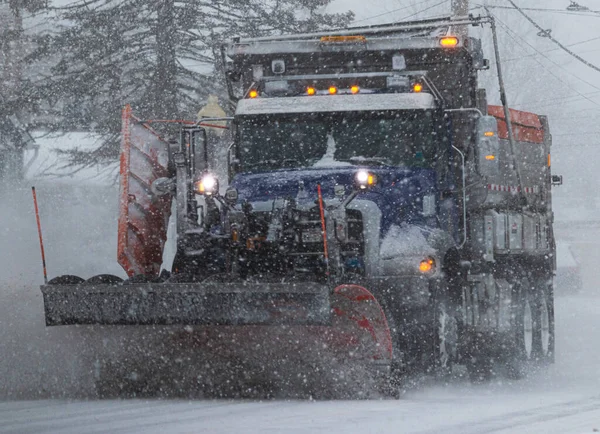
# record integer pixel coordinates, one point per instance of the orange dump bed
(527, 127)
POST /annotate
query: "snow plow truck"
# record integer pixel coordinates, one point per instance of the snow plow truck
(372, 201)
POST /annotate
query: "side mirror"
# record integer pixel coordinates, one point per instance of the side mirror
(557, 180)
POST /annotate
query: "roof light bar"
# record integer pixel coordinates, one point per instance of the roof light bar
(342, 39)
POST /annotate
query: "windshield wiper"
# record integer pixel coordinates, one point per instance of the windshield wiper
(370, 161)
(273, 164)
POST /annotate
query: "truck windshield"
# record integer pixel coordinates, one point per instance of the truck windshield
(403, 138)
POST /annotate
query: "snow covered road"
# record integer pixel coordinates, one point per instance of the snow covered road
(39, 374)
(565, 399)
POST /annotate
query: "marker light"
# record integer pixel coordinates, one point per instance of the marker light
(365, 179)
(449, 41)
(342, 39)
(489, 134)
(427, 265)
(253, 93)
(311, 91)
(332, 90)
(208, 185)
(418, 87)
(490, 157)
(354, 89)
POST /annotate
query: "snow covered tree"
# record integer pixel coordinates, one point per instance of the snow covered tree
(161, 56)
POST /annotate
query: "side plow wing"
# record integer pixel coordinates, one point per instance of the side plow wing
(143, 216)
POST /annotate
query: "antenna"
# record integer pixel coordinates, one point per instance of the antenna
(37, 217)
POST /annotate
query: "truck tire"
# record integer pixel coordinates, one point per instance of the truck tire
(104, 279)
(445, 334)
(524, 333)
(543, 337)
(67, 279)
(390, 385)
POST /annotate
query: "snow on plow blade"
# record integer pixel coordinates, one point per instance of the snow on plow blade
(187, 304)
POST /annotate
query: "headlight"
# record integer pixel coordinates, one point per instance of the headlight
(365, 179)
(427, 265)
(208, 185)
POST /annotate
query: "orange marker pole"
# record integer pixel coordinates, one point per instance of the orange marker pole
(37, 217)
(323, 227)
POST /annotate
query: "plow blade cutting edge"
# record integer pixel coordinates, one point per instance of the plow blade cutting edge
(347, 321)
(187, 304)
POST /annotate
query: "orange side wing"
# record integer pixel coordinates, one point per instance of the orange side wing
(143, 216)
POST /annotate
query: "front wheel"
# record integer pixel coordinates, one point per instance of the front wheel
(445, 337)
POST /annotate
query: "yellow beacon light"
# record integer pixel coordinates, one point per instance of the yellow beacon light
(311, 91)
(253, 93)
(354, 90)
(333, 90)
(449, 41)
(418, 88)
(489, 134)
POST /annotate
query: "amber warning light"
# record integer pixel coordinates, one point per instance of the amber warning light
(449, 41)
(343, 39)
(427, 265)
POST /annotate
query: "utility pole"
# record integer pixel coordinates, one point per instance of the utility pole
(460, 9)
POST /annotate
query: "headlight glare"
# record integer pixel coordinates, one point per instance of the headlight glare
(208, 185)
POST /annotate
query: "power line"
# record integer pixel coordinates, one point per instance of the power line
(575, 55)
(424, 10)
(391, 12)
(547, 58)
(535, 102)
(591, 133)
(510, 33)
(593, 14)
(558, 49)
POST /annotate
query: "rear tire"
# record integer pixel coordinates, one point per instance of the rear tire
(104, 279)
(67, 279)
(445, 334)
(543, 342)
(524, 333)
